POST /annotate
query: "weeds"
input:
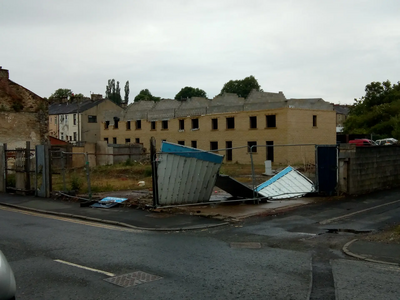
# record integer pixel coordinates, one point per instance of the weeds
(76, 182)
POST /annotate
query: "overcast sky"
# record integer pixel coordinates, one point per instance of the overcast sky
(326, 49)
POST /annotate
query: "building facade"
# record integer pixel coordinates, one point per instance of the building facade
(282, 130)
(23, 114)
(80, 121)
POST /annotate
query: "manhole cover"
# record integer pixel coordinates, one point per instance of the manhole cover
(249, 245)
(132, 279)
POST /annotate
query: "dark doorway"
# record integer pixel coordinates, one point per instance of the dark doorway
(326, 165)
(228, 144)
(270, 151)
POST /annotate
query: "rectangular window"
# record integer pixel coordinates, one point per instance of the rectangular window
(114, 140)
(214, 124)
(138, 124)
(195, 124)
(74, 119)
(55, 120)
(228, 146)
(153, 125)
(92, 119)
(62, 135)
(253, 122)
(193, 144)
(106, 124)
(230, 123)
(164, 124)
(74, 136)
(181, 124)
(254, 149)
(181, 143)
(271, 121)
(137, 140)
(106, 140)
(128, 125)
(213, 145)
(314, 121)
(116, 121)
(127, 141)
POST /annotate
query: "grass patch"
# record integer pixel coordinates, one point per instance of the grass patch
(124, 176)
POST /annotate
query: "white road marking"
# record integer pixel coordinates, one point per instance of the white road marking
(71, 220)
(355, 213)
(85, 268)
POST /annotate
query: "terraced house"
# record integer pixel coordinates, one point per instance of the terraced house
(282, 130)
(78, 121)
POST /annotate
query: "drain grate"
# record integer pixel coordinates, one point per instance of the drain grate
(132, 279)
(248, 245)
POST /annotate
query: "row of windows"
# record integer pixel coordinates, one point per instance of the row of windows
(127, 141)
(251, 147)
(270, 122)
(63, 119)
(68, 138)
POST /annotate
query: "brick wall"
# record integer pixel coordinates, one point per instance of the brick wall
(366, 169)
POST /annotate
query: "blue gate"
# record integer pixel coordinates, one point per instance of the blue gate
(326, 168)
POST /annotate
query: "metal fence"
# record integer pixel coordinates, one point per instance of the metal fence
(185, 177)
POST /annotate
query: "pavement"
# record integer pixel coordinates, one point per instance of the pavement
(191, 218)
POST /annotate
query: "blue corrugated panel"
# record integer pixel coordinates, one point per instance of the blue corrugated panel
(191, 152)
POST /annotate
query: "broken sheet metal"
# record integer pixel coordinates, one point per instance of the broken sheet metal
(108, 202)
(186, 175)
(289, 183)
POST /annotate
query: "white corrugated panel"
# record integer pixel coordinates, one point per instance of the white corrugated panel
(288, 183)
(184, 180)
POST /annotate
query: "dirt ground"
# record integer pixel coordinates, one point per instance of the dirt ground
(390, 235)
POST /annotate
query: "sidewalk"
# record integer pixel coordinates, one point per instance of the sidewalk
(122, 216)
(168, 219)
(374, 251)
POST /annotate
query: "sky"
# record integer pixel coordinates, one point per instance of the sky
(328, 49)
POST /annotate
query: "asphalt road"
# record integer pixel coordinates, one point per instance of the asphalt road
(292, 257)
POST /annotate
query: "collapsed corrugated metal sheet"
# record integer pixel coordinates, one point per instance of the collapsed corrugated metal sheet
(108, 202)
(186, 175)
(288, 183)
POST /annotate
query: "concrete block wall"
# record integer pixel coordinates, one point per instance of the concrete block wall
(366, 169)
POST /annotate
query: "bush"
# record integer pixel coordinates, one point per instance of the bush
(148, 172)
(76, 182)
(11, 181)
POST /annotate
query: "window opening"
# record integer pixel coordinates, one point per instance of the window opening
(214, 124)
(271, 121)
(181, 124)
(253, 122)
(254, 149)
(230, 123)
(195, 123)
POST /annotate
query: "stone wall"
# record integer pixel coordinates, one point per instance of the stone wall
(366, 169)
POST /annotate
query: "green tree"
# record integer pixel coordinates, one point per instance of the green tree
(241, 87)
(377, 113)
(145, 95)
(113, 92)
(126, 97)
(189, 92)
(61, 93)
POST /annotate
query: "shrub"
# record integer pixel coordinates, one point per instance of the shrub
(76, 182)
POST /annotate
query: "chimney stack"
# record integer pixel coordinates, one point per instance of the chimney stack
(4, 73)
